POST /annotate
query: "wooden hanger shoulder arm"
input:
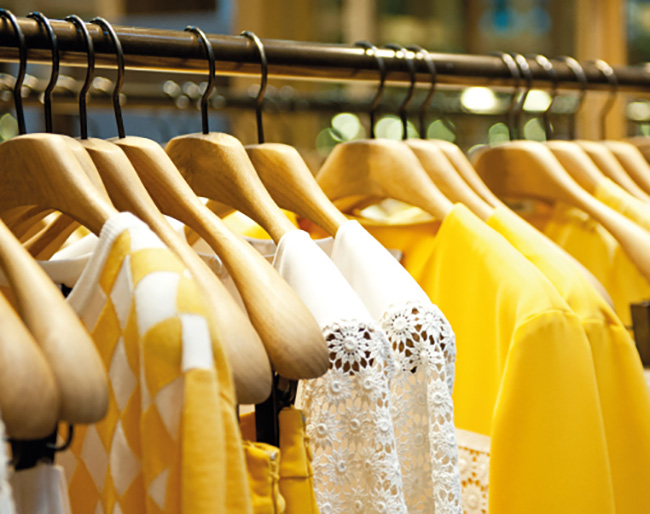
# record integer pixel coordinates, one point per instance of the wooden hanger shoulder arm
(444, 175)
(217, 167)
(29, 397)
(292, 185)
(70, 352)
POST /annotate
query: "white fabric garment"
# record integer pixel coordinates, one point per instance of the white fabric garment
(348, 410)
(6, 499)
(41, 489)
(423, 346)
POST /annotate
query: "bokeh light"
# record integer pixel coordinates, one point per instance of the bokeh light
(348, 126)
(537, 101)
(498, 133)
(439, 130)
(478, 99)
(534, 130)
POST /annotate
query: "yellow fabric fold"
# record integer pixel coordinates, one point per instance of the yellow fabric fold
(263, 464)
(296, 475)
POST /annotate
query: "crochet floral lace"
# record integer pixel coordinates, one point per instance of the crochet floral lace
(474, 464)
(348, 412)
(423, 346)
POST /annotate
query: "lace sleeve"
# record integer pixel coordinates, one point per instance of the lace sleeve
(423, 347)
(355, 462)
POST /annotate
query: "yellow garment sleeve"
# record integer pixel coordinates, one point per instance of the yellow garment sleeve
(548, 452)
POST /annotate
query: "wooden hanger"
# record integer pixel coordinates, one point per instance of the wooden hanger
(217, 167)
(290, 334)
(284, 173)
(247, 357)
(466, 170)
(77, 368)
(380, 167)
(435, 161)
(600, 153)
(528, 169)
(643, 145)
(444, 175)
(577, 163)
(29, 397)
(632, 160)
(289, 181)
(612, 168)
(41, 170)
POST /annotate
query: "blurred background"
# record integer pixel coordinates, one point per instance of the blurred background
(316, 116)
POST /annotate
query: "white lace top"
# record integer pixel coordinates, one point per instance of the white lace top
(423, 346)
(6, 499)
(349, 409)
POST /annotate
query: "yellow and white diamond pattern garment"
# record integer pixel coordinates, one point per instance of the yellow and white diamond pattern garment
(170, 442)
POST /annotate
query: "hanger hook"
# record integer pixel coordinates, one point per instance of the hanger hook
(409, 95)
(212, 70)
(90, 71)
(265, 73)
(513, 68)
(431, 65)
(580, 75)
(47, 95)
(22, 67)
(544, 63)
(119, 81)
(381, 65)
(610, 75)
(524, 70)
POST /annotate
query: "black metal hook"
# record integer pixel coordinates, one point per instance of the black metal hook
(22, 67)
(381, 66)
(579, 73)
(610, 75)
(524, 70)
(431, 65)
(264, 79)
(119, 81)
(409, 95)
(211, 66)
(513, 68)
(66, 444)
(47, 95)
(544, 63)
(90, 70)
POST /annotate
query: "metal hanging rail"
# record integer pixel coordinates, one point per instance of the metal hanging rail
(178, 52)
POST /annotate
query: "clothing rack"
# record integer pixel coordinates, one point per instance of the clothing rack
(179, 52)
(171, 96)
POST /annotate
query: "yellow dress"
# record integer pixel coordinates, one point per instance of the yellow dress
(281, 479)
(595, 248)
(170, 441)
(624, 396)
(524, 371)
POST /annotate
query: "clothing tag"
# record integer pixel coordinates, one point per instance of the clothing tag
(641, 326)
